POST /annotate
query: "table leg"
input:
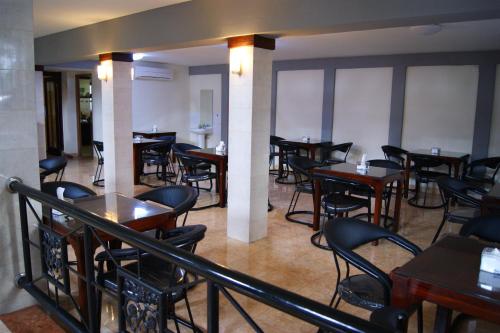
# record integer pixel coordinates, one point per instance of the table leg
(137, 166)
(397, 205)
(317, 204)
(407, 176)
(378, 204)
(280, 162)
(78, 247)
(221, 175)
(442, 322)
(312, 153)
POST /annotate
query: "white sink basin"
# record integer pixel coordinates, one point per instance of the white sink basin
(202, 131)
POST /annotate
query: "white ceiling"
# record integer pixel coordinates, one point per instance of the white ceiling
(51, 16)
(461, 36)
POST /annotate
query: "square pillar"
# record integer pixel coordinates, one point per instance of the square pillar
(116, 94)
(248, 140)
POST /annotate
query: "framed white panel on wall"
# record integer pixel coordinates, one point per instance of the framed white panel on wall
(299, 104)
(440, 105)
(362, 107)
(494, 148)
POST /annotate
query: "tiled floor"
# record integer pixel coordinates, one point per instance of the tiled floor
(285, 258)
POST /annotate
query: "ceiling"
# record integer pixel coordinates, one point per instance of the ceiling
(51, 16)
(460, 36)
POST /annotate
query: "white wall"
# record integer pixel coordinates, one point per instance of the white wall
(69, 113)
(362, 108)
(40, 114)
(440, 106)
(494, 148)
(163, 103)
(299, 104)
(211, 82)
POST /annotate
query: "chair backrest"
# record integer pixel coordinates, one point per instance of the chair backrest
(301, 166)
(98, 148)
(484, 227)
(328, 150)
(183, 147)
(71, 190)
(53, 164)
(275, 139)
(422, 162)
(183, 156)
(492, 163)
(388, 164)
(186, 237)
(395, 154)
(179, 197)
(451, 187)
(346, 234)
(169, 138)
(162, 148)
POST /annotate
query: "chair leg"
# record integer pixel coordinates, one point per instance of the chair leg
(189, 313)
(420, 319)
(439, 229)
(291, 202)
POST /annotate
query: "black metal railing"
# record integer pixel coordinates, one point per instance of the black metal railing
(53, 281)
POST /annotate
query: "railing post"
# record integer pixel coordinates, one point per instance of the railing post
(90, 279)
(25, 239)
(212, 308)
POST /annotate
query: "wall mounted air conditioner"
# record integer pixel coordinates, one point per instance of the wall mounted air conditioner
(152, 73)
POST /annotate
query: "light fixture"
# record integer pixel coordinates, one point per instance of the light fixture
(132, 72)
(235, 60)
(104, 70)
(137, 56)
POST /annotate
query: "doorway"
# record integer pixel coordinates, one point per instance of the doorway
(53, 113)
(83, 83)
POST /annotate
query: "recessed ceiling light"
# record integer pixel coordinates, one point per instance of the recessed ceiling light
(137, 56)
(427, 30)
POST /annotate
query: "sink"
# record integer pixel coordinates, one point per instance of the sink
(201, 133)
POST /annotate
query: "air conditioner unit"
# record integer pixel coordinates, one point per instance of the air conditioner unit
(152, 73)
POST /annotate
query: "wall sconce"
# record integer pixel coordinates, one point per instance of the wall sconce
(235, 61)
(104, 71)
(132, 72)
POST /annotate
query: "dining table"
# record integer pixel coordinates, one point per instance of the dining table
(138, 145)
(375, 177)
(219, 159)
(116, 208)
(448, 274)
(456, 159)
(310, 145)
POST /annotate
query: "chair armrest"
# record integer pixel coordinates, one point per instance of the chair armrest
(405, 244)
(118, 254)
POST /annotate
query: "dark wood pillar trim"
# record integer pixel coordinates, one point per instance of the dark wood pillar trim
(252, 40)
(116, 56)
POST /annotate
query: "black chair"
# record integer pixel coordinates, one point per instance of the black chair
(52, 165)
(338, 201)
(184, 148)
(158, 154)
(71, 190)
(300, 166)
(328, 152)
(273, 153)
(463, 193)
(396, 154)
(372, 289)
(425, 173)
(482, 172)
(180, 198)
(167, 281)
(392, 319)
(98, 148)
(484, 227)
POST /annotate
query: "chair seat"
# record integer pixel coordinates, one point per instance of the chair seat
(305, 187)
(334, 161)
(340, 203)
(204, 166)
(197, 176)
(154, 272)
(363, 291)
(463, 214)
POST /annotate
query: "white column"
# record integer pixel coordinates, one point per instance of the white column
(116, 98)
(18, 140)
(248, 141)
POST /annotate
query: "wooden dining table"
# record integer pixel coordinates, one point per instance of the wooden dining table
(219, 159)
(375, 177)
(116, 208)
(138, 145)
(456, 159)
(310, 146)
(447, 274)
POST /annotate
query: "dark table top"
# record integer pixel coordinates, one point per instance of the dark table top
(442, 153)
(210, 153)
(145, 140)
(451, 263)
(309, 142)
(150, 131)
(349, 169)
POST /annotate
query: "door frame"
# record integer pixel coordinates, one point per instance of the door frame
(57, 78)
(77, 99)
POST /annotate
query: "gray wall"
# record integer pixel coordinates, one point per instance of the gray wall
(486, 61)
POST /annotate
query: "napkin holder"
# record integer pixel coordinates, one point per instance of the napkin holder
(60, 196)
(221, 148)
(435, 150)
(490, 260)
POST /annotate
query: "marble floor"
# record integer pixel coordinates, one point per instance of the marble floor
(284, 258)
